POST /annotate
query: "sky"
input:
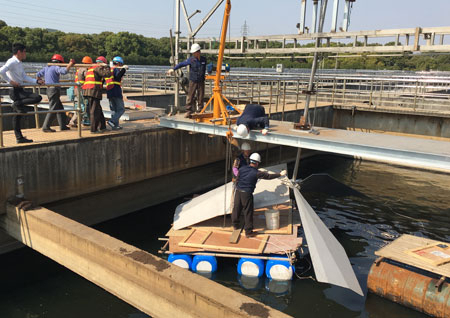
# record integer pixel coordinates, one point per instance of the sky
(154, 18)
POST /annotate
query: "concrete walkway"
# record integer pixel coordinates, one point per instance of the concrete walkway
(401, 150)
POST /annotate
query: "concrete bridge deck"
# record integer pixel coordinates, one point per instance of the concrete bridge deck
(401, 150)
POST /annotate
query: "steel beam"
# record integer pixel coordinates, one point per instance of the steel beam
(399, 150)
(346, 21)
(335, 14)
(314, 16)
(301, 28)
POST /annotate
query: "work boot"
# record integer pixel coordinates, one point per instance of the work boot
(250, 234)
(48, 130)
(188, 114)
(23, 140)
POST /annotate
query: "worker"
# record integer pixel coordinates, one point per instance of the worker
(243, 159)
(197, 62)
(92, 88)
(114, 92)
(243, 198)
(253, 117)
(80, 76)
(14, 73)
(51, 75)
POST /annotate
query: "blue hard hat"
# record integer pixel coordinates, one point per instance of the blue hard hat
(118, 59)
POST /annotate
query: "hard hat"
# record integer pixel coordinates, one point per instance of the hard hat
(57, 57)
(245, 146)
(86, 60)
(195, 47)
(101, 59)
(242, 130)
(255, 157)
(118, 59)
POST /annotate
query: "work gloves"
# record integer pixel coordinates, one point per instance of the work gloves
(283, 173)
(170, 72)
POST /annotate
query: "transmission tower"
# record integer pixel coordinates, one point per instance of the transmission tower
(245, 29)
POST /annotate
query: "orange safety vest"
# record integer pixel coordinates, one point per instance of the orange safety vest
(76, 78)
(90, 81)
(110, 80)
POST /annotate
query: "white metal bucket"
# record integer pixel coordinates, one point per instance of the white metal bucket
(272, 219)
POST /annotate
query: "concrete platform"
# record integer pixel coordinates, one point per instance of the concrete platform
(400, 150)
(39, 137)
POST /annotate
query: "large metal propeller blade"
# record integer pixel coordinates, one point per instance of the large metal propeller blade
(331, 264)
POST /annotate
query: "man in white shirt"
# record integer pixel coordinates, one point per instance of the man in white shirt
(14, 73)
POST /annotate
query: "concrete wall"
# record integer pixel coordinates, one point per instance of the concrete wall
(400, 123)
(160, 100)
(65, 169)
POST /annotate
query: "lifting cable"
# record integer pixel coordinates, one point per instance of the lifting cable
(228, 159)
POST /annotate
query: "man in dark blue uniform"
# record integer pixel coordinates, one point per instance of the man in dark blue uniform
(243, 159)
(253, 117)
(243, 198)
(197, 62)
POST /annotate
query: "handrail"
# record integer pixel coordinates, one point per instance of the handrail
(36, 112)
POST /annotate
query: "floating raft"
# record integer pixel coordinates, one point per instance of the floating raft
(212, 236)
(414, 272)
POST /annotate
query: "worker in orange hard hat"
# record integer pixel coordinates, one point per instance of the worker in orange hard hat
(80, 76)
(51, 75)
(92, 88)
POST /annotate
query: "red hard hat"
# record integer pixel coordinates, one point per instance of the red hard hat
(101, 59)
(57, 57)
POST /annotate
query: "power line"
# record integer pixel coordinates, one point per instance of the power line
(73, 14)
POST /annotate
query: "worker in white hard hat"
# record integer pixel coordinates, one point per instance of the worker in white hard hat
(253, 117)
(243, 198)
(196, 91)
(243, 159)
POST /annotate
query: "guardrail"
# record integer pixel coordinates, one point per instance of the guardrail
(37, 112)
(412, 94)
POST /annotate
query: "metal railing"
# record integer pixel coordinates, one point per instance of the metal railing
(414, 94)
(37, 112)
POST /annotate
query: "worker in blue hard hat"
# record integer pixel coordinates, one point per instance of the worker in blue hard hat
(114, 92)
(196, 91)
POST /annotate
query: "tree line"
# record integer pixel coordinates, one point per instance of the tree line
(139, 50)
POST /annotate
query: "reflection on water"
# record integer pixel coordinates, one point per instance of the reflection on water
(398, 201)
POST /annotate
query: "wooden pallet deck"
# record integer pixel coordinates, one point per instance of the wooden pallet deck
(402, 250)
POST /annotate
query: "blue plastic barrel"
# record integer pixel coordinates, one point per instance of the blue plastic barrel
(204, 263)
(253, 267)
(279, 270)
(181, 260)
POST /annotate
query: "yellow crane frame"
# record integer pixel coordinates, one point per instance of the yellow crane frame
(219, 115)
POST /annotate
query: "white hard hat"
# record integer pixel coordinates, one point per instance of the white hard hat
(195, 47)
(242, 130)
(246, 146)
(255, 157)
